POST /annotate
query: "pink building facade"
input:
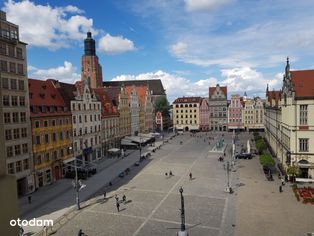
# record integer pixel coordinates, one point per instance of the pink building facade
(204, 115)
(235, 113)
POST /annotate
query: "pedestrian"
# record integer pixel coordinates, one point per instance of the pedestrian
(80, 233)
(166, 174)
(29, 199)
(224, 166)
(280, 188)
(105, 194)
(190, 176)
(117, 198)
(118, 206)
(170, 173)
(124, 198)
(110, 184)
(282, 182)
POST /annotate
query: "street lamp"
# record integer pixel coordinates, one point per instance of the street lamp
(182, 232)
(140, 148)
(77, 196)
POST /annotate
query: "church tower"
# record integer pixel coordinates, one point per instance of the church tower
(90, 65)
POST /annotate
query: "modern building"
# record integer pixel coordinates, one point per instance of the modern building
(235, 113)
(204, 115)
(15, 138)
(51, 131)
(91, 68)
(253, 114)
(186, 113)
(12, 52)
(296, 139)
(218, 108)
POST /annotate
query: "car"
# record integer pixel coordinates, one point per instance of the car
(244, 156)
(136, 163)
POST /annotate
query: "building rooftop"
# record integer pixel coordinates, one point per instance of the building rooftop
(188, 100)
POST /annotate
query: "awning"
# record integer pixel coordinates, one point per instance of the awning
(114, 150)
(68, 160)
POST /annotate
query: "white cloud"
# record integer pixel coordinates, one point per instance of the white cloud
(204, 5)
(179, 48)
(46, 26)
(66, 73)
(115, 44)
(245, 79)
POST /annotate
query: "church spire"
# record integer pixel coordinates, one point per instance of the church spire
(89, 45)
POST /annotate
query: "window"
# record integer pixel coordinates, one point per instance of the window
(20, 69)
(26, 164)
(37, 140)
(24, 148)
(85, 118)
(10, 151)
(74, 119)
(91, 118)
(61, 152)
(303, 145)
(13, 84)
(38, 160)
(7, 118)
(8, 134)
(5, 83)
(14, 100)
(61, 136)
(18, 166)
(12, 67)
(80, 119)
(16, 133)
(6, 100)
(46, 138)
(37, 124)
(3, 49)
(4, 66)
(23, 116)
(46, 123)
(55, 155)
(19, 53)
(47, 157)
(303, 114)
(53, 122)
(22, 101)
(74, 132)
(11, 168)
(15, 117)
(17, 150)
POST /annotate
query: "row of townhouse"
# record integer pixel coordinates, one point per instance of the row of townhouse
(216, 113)
(245, 113)
(46, 125)
(289, 123)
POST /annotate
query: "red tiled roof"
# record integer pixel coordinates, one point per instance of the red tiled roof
(211, 90)
(108, 108)
(45, 94)
(140, 91)
(273, 95)
(303, 83)
(188, 100)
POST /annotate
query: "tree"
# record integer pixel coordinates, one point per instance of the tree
(260, 145)
(293, 171)
(266, 160)
(162, 105)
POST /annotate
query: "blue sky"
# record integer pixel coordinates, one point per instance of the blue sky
(188, 44)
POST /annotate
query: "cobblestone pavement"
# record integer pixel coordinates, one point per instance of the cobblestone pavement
(153, 199)
(262, 210)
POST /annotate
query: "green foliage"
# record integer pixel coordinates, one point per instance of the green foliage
(266, 160)
(260, 145)
(293, 171)
(162, 105)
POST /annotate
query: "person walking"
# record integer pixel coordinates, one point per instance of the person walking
(190, 176)
(124, 198)
(118, 206)
(29, 199)
(117, 198)
(170, 173)
(105, 195)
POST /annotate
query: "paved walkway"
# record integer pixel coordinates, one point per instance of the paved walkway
(262, 210)
(53, 201)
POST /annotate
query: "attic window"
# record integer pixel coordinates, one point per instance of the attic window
(44, 86)
(53, 96)
(42, 95)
